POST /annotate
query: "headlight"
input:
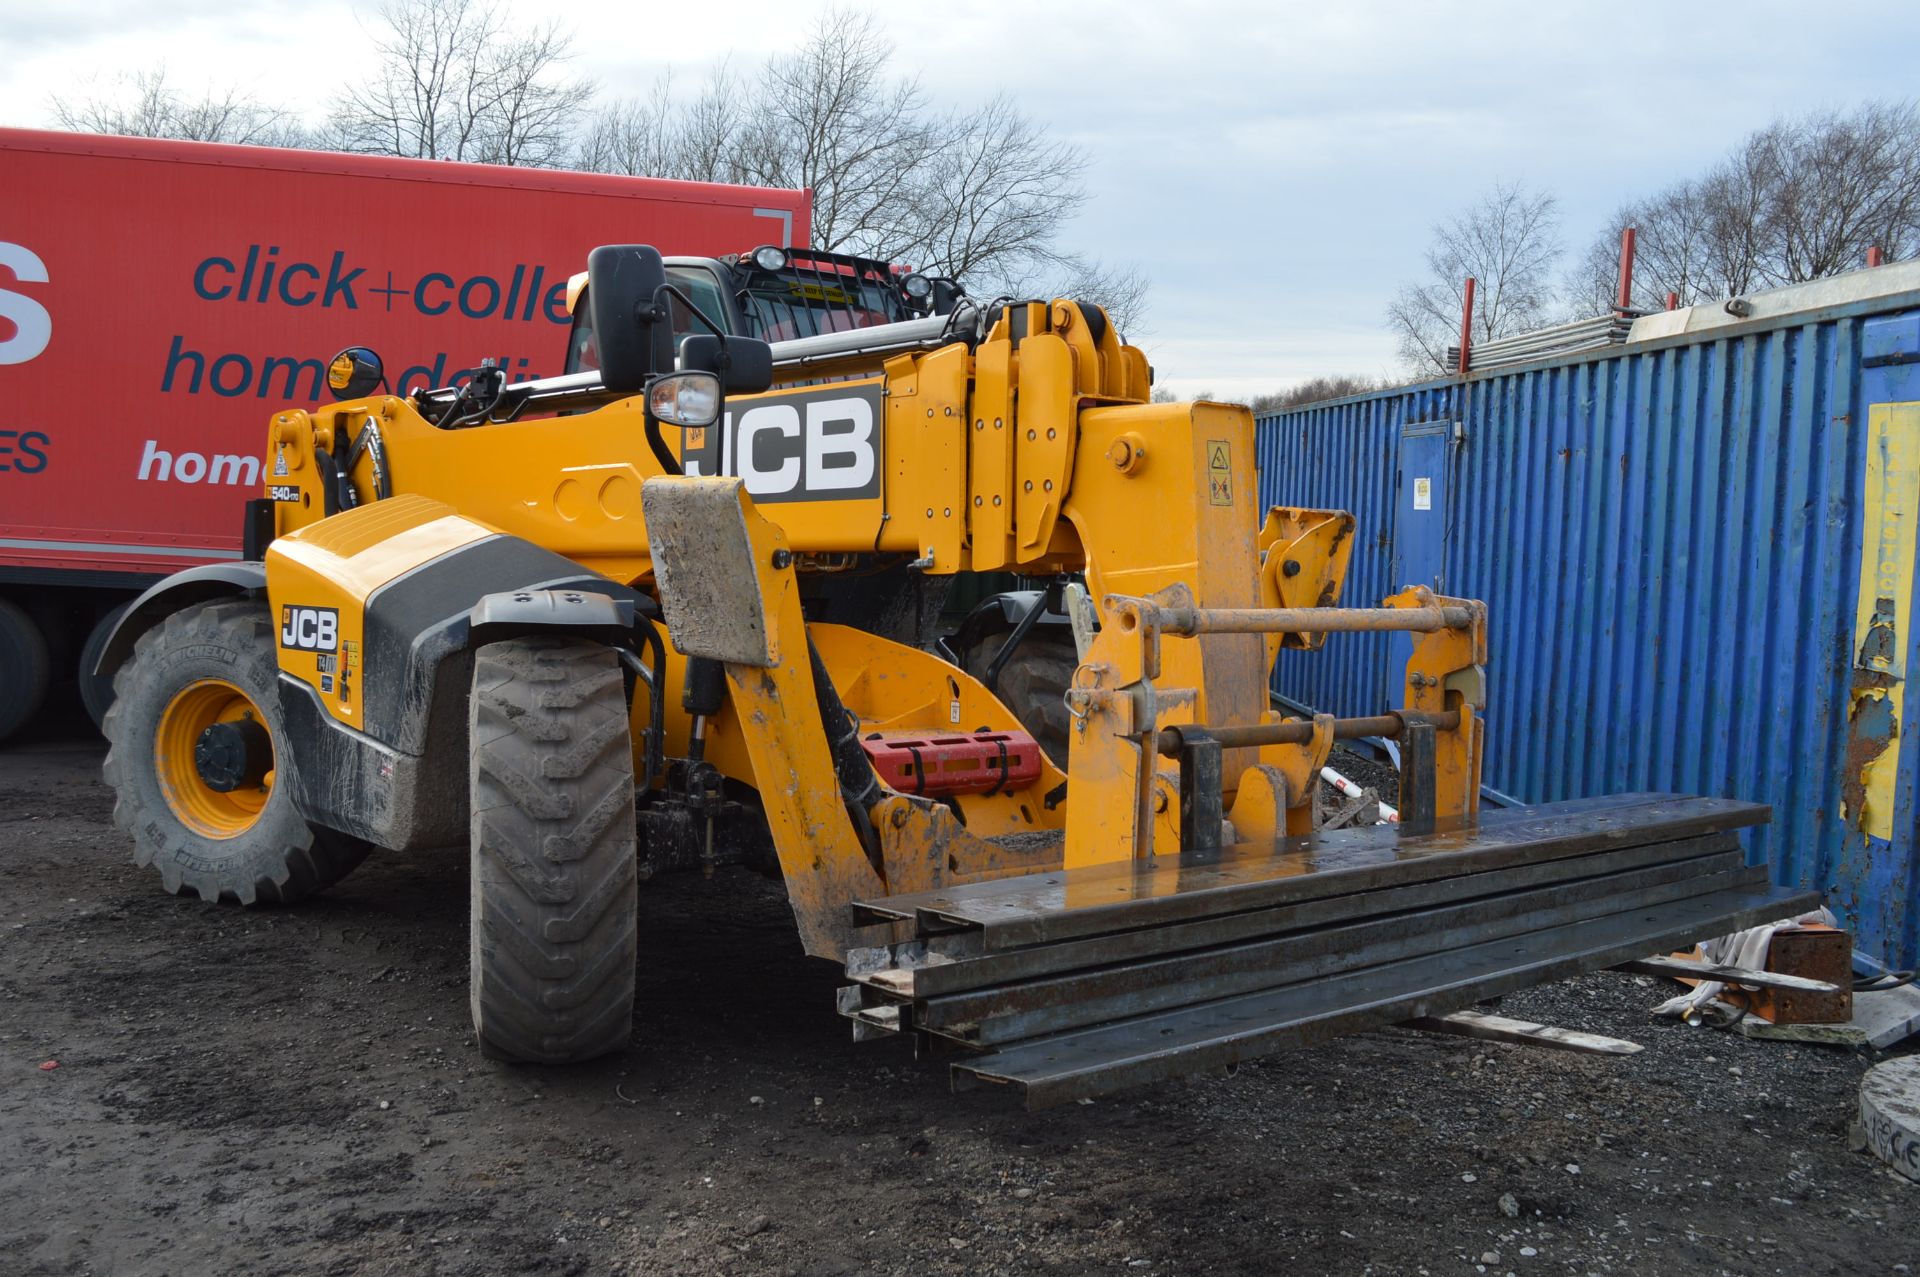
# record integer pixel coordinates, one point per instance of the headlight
(685, 399)
(918, 287)
(769, 258)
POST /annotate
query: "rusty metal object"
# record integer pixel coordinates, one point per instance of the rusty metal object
(1297, 731)
(1694, 971)
(1808, 978)
(1818, 955)
(1188, 621)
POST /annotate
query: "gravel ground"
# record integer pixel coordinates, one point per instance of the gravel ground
(294, 1091)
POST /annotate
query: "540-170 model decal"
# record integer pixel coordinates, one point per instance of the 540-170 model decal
(811, 445)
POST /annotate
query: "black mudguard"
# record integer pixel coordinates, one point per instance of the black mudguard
(401, 780)
(182, 589)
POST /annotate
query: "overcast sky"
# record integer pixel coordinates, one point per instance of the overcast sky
(1273, 168)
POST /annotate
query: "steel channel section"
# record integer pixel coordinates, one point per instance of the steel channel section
(1190, 621)
(1419, 788)
(1039, 908)
(1201, 810)
(1497, 824)
(958, 963)
(1614, 508)
(1090, 1062)
(1073, 1000)
(1296, 732)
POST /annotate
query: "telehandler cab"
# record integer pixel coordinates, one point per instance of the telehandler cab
(532, 620)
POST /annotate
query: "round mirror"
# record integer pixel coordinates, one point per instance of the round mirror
(355, 373)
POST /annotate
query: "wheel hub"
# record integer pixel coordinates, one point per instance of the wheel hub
(234, 755)
(213, 752)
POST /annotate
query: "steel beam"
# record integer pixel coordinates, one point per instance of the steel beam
(1097, 1061)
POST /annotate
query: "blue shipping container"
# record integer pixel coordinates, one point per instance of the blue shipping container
(1669, 537)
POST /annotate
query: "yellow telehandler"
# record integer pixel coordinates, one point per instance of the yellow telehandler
(675, 612)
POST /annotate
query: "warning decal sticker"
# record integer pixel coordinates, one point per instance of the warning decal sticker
(1219, 472)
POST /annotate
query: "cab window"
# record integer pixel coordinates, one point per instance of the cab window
(583, 352)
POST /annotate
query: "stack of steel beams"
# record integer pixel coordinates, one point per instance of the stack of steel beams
(1546, 343)
(1079, 982)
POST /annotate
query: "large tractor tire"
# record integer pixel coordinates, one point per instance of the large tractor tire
(554, 885)
(201, 767)
(96, 690)
(1033, 683)
(25, 668)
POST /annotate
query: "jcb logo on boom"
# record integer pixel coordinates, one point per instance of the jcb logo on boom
(309, 629)
(815, 445)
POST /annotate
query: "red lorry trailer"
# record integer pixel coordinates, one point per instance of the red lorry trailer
(159, 301)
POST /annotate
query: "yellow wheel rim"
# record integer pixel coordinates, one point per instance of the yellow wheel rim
(197, 804)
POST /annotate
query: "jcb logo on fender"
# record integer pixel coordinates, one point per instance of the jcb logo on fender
(310, 629)
(813, 445)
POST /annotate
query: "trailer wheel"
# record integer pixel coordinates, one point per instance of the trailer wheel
(1033, 683)
(554, 885)
(25, 668)
(200, 767)
(96, 690)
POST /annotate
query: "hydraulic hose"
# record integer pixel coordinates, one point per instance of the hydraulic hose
(859, 787)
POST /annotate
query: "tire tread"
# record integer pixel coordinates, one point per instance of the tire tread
(555, 886)
(303, 859)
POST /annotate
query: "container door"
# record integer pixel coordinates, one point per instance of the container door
(1874, 886)
(1419, 529)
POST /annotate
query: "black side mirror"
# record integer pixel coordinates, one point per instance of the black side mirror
(743, 364)
(354, 373)
(634, 331)
(947, 293)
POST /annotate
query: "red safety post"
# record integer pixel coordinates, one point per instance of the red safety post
(1875, 257)
(1673, 301)
(1466, 329)
(1623, 299)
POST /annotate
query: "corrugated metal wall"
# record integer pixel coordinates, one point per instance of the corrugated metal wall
(1668, 539)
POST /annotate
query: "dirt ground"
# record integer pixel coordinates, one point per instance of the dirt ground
(294, 1091)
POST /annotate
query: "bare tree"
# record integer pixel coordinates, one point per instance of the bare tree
(979, 194)
(451, 80)
(1797, 200)
(659, 135)
(829, 117)
(144, 104)
(1844, 183)
(1675, 233)
(634, 136)
(1119, 290)
(1507, 241)
(1736, 193)
(1314, 390)
(708, 143)
(990, 196)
